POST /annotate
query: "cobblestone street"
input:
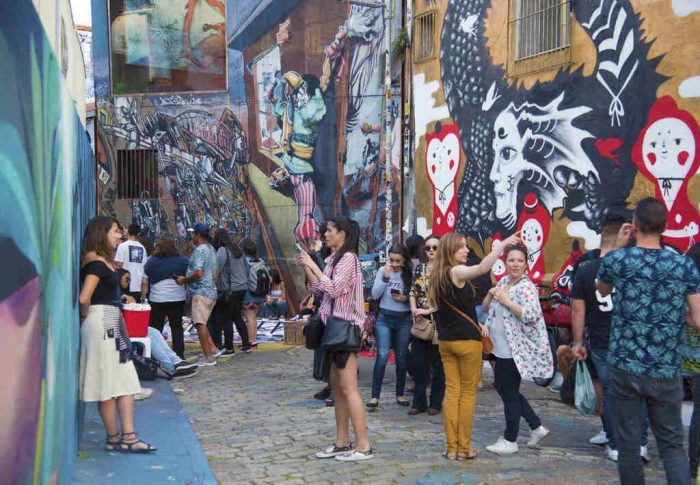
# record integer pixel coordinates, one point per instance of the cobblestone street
(257, 421)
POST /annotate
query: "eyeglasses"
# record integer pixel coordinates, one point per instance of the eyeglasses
(431, 248)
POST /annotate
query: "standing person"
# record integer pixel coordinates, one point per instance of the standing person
(232, 285)
(167, 298)
(415, 245)
(258, 288)
(200, 282)
(131, 255)
(459, 336)
(426, 355)
(107, 374)
(652, 288)
(391, 287)
(690, 365)
(521, 347)
(340, 287)
(591, 310)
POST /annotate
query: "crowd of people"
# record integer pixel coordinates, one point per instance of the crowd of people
(635, 323)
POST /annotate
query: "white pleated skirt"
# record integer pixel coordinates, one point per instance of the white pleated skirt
(102, 377)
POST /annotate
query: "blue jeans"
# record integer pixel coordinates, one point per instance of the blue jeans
(389, 332)
(664, 398)
(600, 361)
(160, 351)
(426, 358)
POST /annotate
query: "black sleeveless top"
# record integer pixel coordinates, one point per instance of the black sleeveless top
(450, 324)
(107, 290)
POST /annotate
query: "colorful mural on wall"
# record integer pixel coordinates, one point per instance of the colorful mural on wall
(296, 137)
(46, 171)
(548, 151)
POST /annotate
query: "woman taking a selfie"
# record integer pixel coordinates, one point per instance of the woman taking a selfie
(459, 336)
(392, 287)
(339, 288)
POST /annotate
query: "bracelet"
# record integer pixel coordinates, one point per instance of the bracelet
(577, 346)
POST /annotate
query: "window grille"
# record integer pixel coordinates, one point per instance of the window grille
(541, 26)
(424, 38)
(137, 174)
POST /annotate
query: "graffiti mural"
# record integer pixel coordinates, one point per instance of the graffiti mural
(295, 138)
(443, 158)
(46, 169)
(548, 150)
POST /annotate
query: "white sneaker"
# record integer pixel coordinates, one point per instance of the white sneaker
(600, 439)
(503, 447)
(334, 450)
(145, 393)
(644, 453)
(611, 454)
(204, 362)
(217, 354)
(356, 455)
(537, 435)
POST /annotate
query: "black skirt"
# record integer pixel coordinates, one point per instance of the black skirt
(324, 360)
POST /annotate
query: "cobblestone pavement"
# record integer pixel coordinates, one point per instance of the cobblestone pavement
(256, 419)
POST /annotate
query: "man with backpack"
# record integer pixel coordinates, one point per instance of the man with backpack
(258, 289)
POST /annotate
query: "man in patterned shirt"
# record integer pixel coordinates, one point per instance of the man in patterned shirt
(652, 286)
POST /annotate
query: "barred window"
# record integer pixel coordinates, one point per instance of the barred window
(137, 174)
(541, 26)
(424, 37)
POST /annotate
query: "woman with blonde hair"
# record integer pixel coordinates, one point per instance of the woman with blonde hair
(459, 336)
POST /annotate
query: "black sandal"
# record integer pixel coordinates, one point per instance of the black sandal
(130, 445)
(112, 445)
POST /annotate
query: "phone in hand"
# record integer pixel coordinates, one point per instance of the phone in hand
(394, 291)
(175, 276)
(299, 248)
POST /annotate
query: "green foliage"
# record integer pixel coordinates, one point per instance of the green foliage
(399, 45)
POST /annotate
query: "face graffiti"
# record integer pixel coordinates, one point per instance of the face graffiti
(443, 160)
(668, 146)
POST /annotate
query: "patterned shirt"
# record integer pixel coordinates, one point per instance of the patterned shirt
(419, 290)
(204, 258)
(649, 305)
(343, 291)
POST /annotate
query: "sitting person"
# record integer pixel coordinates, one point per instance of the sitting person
(160, 351)
(276, 303)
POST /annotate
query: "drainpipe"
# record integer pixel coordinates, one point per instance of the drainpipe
(388, 16)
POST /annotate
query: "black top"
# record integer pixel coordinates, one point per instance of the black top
(598, 308)
(107, 290)
(481, 284)
(452, 326)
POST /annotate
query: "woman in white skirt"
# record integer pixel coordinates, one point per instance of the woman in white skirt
(107, 374)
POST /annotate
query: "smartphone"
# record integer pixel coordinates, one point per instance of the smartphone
(175, 277)
(299, 248)
(394, 291)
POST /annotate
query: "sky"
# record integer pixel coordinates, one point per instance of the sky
(81, 12)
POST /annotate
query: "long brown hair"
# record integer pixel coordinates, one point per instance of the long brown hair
(440, 280)
(95, 238)
(165, 248)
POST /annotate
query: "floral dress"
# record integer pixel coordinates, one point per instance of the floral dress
(419, 290)
(527, 336)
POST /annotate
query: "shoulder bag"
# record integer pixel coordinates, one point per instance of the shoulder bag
(423, 328)
(341, 335)
(486, 342)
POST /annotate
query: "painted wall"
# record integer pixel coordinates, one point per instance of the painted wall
(296, 138)
(550, 151)
(48, 195)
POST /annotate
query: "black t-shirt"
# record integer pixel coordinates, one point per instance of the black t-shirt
(481, 284)
(450, 324)
(598, 308)
(107, 290)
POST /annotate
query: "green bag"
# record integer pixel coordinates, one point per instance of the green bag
(584, 396)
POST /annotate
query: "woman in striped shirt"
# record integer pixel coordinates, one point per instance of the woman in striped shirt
(339, 286)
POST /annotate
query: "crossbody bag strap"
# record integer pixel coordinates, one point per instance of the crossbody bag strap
(228, 265)
(463, 315)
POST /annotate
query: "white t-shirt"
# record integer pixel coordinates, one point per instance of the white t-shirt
(132, 255)
(166, 291)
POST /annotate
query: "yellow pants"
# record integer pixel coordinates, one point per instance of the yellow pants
(462, 362)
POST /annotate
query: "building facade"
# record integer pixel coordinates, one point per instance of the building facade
(538, 115)
(263, 118)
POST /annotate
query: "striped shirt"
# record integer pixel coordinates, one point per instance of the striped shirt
(345, 288)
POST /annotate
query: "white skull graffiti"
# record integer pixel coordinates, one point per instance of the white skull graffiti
(669, 150)
(443, 163)
(532, 235)
(541, 147)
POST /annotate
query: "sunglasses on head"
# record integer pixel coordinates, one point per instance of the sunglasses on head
(431, 248)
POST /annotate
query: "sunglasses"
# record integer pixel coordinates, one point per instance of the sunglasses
(431, 248)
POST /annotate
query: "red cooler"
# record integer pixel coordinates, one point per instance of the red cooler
(137, 322)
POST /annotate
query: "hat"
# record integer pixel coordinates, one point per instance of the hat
(294, 79)
(202, 229)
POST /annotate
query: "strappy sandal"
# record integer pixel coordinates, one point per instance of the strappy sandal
(110, 444)
(449, 456)
(130, 445)
(469, 455)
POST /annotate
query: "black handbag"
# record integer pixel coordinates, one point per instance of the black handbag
(148, 369)
(340, 336)
(313, 332)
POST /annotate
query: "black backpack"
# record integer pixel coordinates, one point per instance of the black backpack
(148, 369)
(258, 278)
